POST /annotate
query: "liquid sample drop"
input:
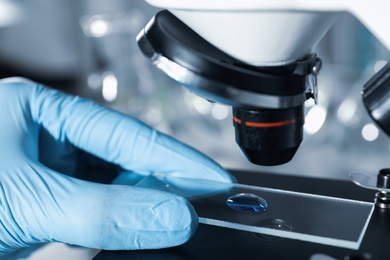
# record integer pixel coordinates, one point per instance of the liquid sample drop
(247, 202)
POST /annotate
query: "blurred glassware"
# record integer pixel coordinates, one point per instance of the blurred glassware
(11, 12)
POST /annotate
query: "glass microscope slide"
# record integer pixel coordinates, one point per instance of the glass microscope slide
(271, 213)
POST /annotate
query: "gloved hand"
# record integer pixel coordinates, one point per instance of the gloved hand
(39, 204)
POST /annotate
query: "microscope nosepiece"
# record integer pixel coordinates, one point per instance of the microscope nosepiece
(269, 136)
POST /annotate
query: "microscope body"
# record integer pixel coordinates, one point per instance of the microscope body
(266, 33)
(254, 55)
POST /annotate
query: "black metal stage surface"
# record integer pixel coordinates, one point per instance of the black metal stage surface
(212, 242)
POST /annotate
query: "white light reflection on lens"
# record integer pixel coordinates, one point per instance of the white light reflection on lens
(370, 132)
(315, 119)
(110, 87)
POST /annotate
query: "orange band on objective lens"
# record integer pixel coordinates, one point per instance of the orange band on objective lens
(268, 124)
(237, 120)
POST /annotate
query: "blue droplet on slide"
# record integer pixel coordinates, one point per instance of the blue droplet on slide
(247, 202)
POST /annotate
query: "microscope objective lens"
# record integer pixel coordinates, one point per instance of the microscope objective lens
(247, 202)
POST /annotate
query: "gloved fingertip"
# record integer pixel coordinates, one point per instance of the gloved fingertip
(133, 218)
(178, 221)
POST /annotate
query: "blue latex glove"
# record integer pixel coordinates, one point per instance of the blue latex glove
(39, 204)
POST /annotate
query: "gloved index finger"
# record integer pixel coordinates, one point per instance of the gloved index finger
(119, 138)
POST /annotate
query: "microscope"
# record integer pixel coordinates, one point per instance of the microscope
(255, 56)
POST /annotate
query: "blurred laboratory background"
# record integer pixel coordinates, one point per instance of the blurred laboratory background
(88, 48)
